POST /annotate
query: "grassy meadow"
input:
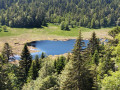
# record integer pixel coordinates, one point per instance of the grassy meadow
(50, 30)
(17, 37)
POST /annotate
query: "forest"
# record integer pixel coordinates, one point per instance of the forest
(37, 13)
(94, 68)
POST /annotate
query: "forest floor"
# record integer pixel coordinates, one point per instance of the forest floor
(17, 37)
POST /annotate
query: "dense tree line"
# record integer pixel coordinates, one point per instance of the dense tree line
(35, 13)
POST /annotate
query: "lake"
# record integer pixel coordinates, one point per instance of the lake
(53, 47)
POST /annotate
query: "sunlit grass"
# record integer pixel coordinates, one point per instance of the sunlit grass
(50, 30)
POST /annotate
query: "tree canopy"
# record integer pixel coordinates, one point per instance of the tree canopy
(36, 13)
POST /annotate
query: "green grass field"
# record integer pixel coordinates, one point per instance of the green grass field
(50, 30)
(17, 37)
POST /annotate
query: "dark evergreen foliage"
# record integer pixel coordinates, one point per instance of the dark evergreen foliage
(35, 13)
(7, 53)
(42, 55)
(96, 58)
(75, 75)
(37, 65)
(114, 32)
(37, 62)
(93, 44)
(59, 64)
(25, 63)
(33, 73)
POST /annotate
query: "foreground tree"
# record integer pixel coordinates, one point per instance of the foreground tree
(32, 74)
(42, 55)
(37, 62)
(114, 32)
(111, 82)
(25, 63)
(74, 76)
(7, 53)
(96, 58)
(59, 64)
(93, 44)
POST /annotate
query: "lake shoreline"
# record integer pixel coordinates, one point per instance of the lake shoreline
(17, 42)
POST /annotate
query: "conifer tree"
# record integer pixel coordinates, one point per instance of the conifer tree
(93, 44)
(59, 64)
(32, 74)
(2, 59)
(68, 57)
(96, 58)
(106, 64)
(42, 55)
(7, 53)
(25, 63)
(55, 64)
(38, 64)
(96, 62)
(93, 23)
(74, 76)
(62, 25)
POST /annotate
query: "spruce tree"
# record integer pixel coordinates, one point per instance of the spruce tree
(106, 64)
(32, 74)
(74, 76)
(55, 64)
(93, 44)
(59, 64)
(2, 61)
(42, 55)
(25, 63)
(38, 64)
(7, 53)
(93, 23)
(62, 25)
(96, 58)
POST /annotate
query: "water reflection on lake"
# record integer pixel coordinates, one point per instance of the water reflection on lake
(54, 47)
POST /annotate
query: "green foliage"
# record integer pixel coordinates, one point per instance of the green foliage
(111, 82)
(114, 32)
(35, 13)
(0, 28)
(96, 58)
(8, 78)
(46, 79)
(2, 61)
(34, 68)
(5, 28)
(59, 64)
(73, 76)
(64, 26)
(25, 63)
(38, 64)
(32, 73)
(93, 23)
(118, 22)
(42, 55)
(93, 44)
(4, 79)
(50, 82)
(106, 64)
(7, 53)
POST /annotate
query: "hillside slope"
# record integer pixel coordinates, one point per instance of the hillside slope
(35, 13)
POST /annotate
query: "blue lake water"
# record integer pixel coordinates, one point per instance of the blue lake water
(53, 47)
